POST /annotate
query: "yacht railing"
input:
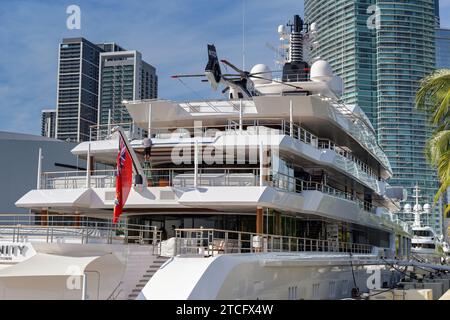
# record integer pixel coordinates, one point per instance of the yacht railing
(293, 78)
(104, 131)
(78, 180)
(212, 242)
(215, 106)
(292, 184)
(206, 177)
(299, 133)
(249, 127)
(260, 126)
(75, 229)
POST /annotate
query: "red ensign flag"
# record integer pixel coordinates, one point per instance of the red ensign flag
(124, 179)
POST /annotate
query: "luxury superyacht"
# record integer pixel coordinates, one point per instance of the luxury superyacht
(277, 192)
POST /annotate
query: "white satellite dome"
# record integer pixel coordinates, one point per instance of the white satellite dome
(407, 208)
(427, 207)
(417, 207)
(321, 71)
(263, 72)
(313, 27)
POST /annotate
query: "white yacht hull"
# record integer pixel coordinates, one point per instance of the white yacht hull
(275, 276)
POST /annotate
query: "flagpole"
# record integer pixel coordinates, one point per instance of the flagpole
(137, 167)
(88, 167)
(196, 163)
(39, 172)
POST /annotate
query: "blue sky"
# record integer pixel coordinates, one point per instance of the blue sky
(171, 34)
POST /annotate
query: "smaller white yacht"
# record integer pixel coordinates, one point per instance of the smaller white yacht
(425, 242)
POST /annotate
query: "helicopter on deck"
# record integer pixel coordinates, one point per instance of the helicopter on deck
(242, 85)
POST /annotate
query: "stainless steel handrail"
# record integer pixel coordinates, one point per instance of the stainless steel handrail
(51, 228)
(184, 177)
(210, 242)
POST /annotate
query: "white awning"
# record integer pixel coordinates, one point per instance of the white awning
(48, 265)
(55, 198)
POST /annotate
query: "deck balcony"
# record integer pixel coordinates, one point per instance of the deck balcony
(331, 154)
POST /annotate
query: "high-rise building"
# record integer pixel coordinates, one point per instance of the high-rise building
(348, 45)
(123, 76)
(442, 48)
(383, 49)
(443, 62)
(437, 12)
(48, 123)
(77, 93)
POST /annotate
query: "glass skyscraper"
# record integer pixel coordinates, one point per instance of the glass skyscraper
(77, 96)
(383, 48)
(443, 62)
(123, 76)
(48, 123)
(443, 48)
(348, 45)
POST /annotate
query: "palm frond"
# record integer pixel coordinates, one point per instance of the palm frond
(437, 146)
(434, 95)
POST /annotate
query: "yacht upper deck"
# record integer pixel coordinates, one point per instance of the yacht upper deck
(323, 116)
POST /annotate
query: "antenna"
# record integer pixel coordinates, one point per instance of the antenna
(243, 34)
(416, 209)
(416, 194)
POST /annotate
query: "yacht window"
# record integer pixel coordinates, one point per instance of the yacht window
(423, 233)
(424, 246)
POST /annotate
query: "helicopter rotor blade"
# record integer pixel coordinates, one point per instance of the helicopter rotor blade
(280, 82)
(258, 73)
(188, 76)
(232, 66)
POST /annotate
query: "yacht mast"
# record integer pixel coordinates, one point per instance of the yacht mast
(417, 208)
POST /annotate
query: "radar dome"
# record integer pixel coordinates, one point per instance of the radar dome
(417, 207)
(321, 71)
(263, 71)
(313, 27)
(407, 208)
(427, 208)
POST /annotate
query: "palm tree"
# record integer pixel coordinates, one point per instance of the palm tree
(434, 98)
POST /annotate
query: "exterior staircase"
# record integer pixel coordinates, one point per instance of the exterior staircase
(145, 278)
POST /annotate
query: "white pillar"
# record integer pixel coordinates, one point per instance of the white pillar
(84, 288)
(196, 164)
(88, 167)
(149, 121)
(39, 171)
(261, 164)
(109, 122)
(291, 118)
(240, 116)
